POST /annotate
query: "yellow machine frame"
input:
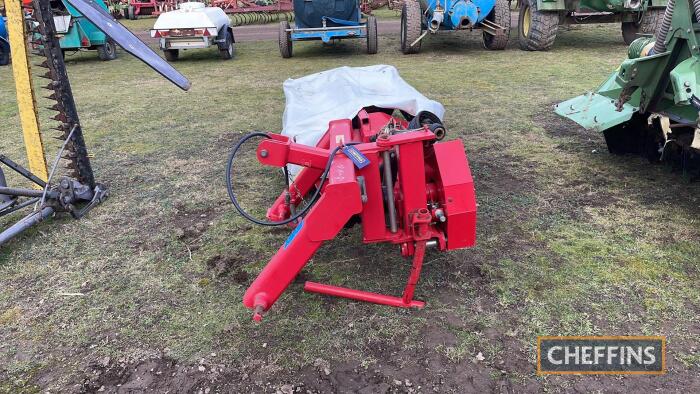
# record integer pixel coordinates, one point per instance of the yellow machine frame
(21, 70)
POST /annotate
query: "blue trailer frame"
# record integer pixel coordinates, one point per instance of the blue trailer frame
(345, 29)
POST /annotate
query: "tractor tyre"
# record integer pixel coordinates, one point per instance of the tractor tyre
(171, 55)
(647, 24)
(131, 13)
(536, 29)
(229, 49)
(500, 15)
(4, 53)
(285, 40)
(411, 26)
(651, 20)
(372, 43)
(108, 51)
(629, 31)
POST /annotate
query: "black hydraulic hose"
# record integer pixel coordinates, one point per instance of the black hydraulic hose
(660, 44)
(298, 214)
(696, 8)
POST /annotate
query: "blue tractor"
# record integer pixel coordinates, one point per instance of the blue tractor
(328, 20)
(4, 43)
(420, 17)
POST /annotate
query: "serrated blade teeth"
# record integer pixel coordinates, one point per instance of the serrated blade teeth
(61, 117)
(55, 107)
(48, 75)
(44, 64)
(52, 96)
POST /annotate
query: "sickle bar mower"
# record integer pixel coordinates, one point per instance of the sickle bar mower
(404, 186)
(77, 191)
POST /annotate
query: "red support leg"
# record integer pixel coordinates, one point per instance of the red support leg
(406, 301)
(415, 272)
(359, 295)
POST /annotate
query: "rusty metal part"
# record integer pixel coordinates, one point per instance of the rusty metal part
(75, 160)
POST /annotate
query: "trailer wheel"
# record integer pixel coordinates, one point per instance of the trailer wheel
(500, 15)
(227, 52)
(108, 51)
(536, 29)
(648, 24)
(171, 55)
(372, 35)
(285, 40)
(131, 13)
(4, 53)
(411, 26)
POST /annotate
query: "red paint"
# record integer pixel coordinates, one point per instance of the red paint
(430, 177)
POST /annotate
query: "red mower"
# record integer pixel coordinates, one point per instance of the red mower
(403, 185)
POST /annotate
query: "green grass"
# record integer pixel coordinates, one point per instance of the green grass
(139, 25)
(569, 241)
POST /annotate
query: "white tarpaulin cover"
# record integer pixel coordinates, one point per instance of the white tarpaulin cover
(315, 100)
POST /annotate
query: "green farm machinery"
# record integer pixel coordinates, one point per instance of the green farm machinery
(76, 32)
(539, 20)
(650, 105)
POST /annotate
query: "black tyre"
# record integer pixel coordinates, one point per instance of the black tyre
(227, 52)
(629, 31)
(651, 20)
(411, 26)
(4, 53)
(647, 24)
(285, 40)
(372, 44)
(537, 30)
(500, 15)
(131, 13)
(108, 51)
(171, 55)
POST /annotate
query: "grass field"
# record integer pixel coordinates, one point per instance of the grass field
(571, 240)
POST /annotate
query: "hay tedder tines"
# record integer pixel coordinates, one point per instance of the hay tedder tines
(391, 175)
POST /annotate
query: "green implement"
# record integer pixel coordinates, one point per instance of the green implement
(76, 32)
(650, 105)
(539, 20)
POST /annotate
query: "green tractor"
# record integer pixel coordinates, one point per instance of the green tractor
(539, 20)
(650, 105)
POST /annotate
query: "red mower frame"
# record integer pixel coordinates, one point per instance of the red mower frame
(411, 191)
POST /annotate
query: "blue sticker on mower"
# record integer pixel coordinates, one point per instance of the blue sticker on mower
(361, 161)
(293, 234)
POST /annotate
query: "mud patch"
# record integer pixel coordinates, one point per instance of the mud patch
(228, 266)
(190, 225)
(569, 136)
(159, 375)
